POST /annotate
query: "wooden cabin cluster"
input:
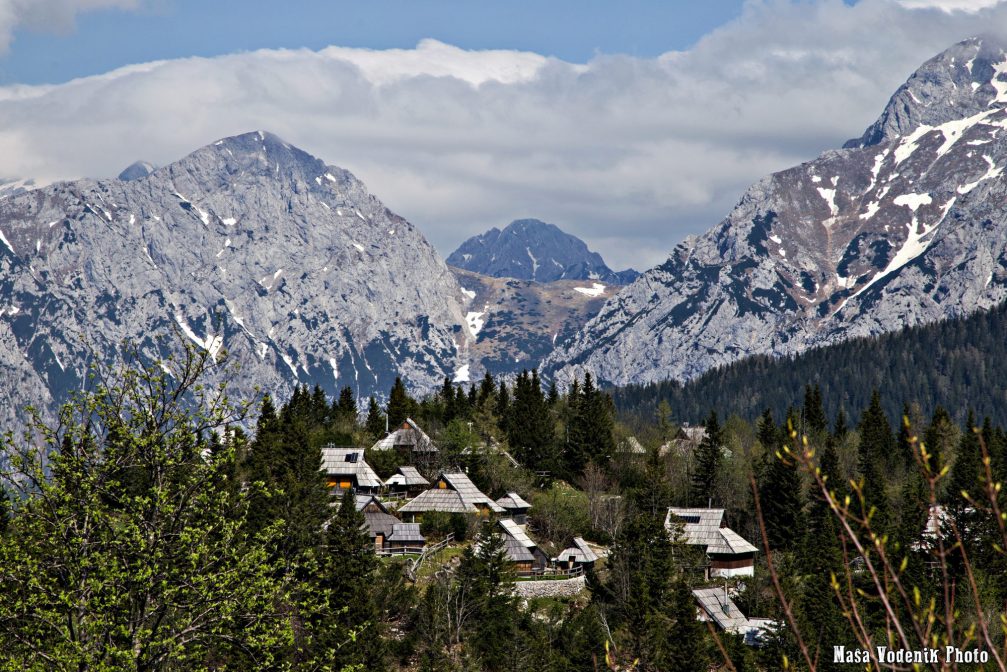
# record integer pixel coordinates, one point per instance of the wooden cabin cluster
(397, 530)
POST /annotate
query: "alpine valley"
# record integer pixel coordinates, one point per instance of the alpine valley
(254, 248)
(292, 267)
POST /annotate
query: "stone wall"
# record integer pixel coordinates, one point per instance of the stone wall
(557, 588)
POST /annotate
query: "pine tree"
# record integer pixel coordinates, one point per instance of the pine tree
(400, 405)
(876, 445)
(486, 388)
(347, 568)
(839, 429)
(816, 423)
(375, 423)
(708, 458)
(780, 497)
(345, 409)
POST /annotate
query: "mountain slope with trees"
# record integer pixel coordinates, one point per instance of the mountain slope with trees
(957, 364)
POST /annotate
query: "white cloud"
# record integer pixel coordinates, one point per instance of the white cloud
(631, 154)
(950, 5)
(48, 15)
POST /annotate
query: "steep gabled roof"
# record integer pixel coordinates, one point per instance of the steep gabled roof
(512, 500)
(732, 542)
(516, 532)
(410, 435)
(364, 500)
(702, 527)
(343, 461)
(460, 496)
(379, 523)
(689, 433)
(580, 552)
(407, 476)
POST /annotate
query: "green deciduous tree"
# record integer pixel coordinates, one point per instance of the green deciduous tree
(127, 547)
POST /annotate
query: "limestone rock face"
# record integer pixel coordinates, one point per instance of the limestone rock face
(906, 225)
(247, 246)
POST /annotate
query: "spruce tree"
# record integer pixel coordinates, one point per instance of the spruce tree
(821, 560)
(708, 458)
(816, 423)
(839, 429)
(780, 497)
(903, 442)
(486, 581)
(486, 388)
(531, 433)
(375, 422)
(348, 566)
(400, 405)
(964, 483)
(552, 397)
(590, 426)
(502, 409)
(940, 436)
(448, 401)
(345, 409)
(876, 446)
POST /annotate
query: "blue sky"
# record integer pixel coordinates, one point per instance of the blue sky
(464, 115)
(573, 30)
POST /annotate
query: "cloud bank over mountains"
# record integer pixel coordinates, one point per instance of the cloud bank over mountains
(628, 153)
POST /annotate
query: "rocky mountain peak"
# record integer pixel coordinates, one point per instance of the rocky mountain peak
(247, 245)
(908, 226)
(962, 81)
(530, 249)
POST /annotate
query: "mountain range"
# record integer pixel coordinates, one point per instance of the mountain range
(906, 225)
(255, 248)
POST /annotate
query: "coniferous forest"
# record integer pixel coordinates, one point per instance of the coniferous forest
(158, 524)
(956, 364)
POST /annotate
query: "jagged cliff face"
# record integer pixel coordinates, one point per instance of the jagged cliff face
(906, 225)
(248, 246)
(530, 249)
(514, 324)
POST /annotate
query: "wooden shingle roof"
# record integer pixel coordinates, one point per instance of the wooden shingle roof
(407, 476)
(512, 501)
(579, 552)
(460, 496)
(721, 609)
(377, 523)
(702, 527)
(408, 532)
(409, 434)
(343, 461)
